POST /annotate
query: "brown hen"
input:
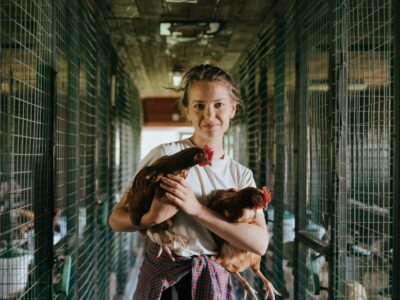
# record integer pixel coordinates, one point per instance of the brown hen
(240, 206)
(146, 186)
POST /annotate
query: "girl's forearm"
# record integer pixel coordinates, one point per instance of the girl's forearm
(120, 220)
(250, 237)
(159, 212)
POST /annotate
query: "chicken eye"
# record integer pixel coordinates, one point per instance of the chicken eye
(257, 198)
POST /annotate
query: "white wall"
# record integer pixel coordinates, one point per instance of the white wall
(152, 137)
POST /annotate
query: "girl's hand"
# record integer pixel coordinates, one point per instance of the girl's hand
(179, 192)
(160, 211)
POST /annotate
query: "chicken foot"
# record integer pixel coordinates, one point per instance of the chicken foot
(176, 238)
(246, 286)
(269, 289)
(165, 240)
(163, 246)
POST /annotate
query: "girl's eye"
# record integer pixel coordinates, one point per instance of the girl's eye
(199, 106)
(218, 105)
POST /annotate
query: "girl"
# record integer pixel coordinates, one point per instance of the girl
(209, 101)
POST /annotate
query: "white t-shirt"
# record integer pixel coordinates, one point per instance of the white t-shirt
(223, 174)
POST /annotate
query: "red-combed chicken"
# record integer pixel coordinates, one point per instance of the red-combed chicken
(146, 185)
(240, 206)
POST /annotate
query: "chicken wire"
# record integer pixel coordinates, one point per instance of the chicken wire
(127, 151)
(314, 277)
(290, 113)
(66, 52)
(266, 92)
(285, 112)
(263, 84)
(363, 132)
(103, 176)
(314, 140)
(252, 114)
(278, 189)
(236, 139)
(364, 126)
(263, 98)
(396, 154)
(356, 96)
(87, 126)
(26, 141)
(290, 144)
(55, 90)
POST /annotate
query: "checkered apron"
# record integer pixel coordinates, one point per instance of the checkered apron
(209, 279)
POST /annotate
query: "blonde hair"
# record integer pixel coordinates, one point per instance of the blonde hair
(206, 72)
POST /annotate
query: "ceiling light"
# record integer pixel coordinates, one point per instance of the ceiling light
(175, 117)
(181, 1)
(176, 78)
(189, 29)
(164, 28)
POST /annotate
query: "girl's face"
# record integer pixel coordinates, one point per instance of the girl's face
(210, 108)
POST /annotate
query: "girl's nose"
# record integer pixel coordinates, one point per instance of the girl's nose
(209, 113)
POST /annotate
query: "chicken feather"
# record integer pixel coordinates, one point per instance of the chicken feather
(240, 206)
(146, 186)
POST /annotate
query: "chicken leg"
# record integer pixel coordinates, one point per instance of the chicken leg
(167, 239)
(246, 286)
(268, 288)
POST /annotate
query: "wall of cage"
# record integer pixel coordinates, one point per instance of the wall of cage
(321, 129)
(70, 136)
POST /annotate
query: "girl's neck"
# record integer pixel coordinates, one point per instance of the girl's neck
(215, 144)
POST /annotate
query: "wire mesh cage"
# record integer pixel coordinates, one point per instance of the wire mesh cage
(326, 139)
(56, 153)
(67, 64)
(25, 238)
(318, 129)
(313, 101)
(314, 141)
(364, 125)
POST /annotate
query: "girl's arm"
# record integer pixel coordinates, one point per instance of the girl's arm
(159, 212)
(120, 217)
(250, 237)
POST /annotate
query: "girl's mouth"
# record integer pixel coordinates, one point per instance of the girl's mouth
(210, 126)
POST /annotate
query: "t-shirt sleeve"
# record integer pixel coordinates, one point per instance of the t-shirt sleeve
(247, 179)
(150, 158)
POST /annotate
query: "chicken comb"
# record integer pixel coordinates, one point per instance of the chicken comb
(267, 194)
(209, 151)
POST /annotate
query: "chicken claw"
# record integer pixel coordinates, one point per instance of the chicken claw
(176, 238)
(246, 286)
(166, 249)
(268, 286)
(167, 240)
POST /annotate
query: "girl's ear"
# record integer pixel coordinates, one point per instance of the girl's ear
(233, 112)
